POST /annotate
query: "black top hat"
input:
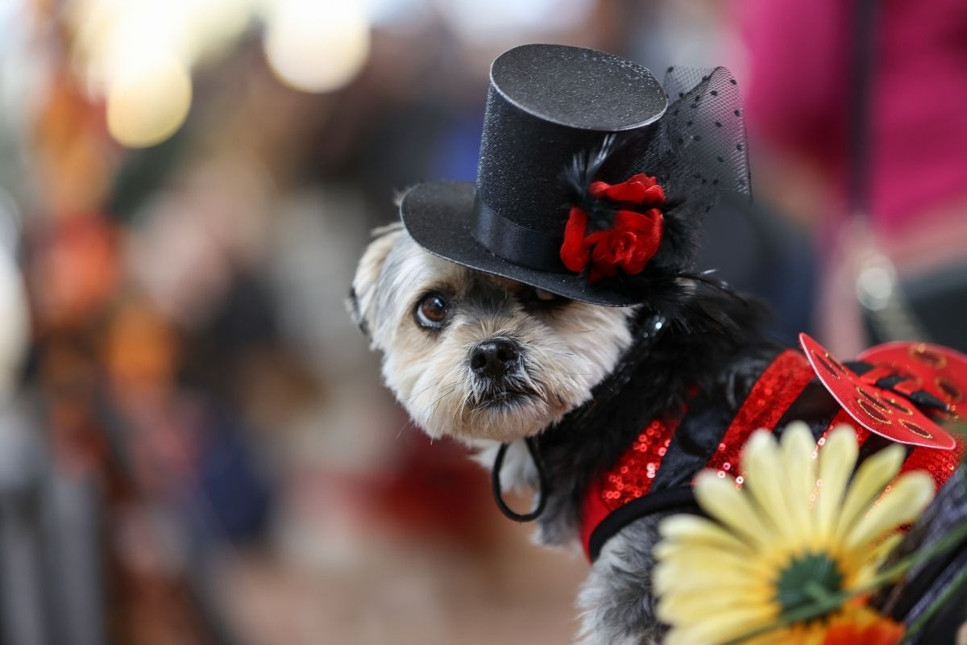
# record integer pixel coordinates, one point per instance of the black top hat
(590, 181)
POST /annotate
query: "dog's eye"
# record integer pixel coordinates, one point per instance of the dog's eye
(431, 311)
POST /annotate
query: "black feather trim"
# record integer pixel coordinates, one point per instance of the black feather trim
(709, 338)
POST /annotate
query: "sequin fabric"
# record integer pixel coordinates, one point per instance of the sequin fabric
(632, 476)
(941, 464)
(777, 388)
(843, 417)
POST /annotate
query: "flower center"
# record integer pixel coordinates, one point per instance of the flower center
(808, 579)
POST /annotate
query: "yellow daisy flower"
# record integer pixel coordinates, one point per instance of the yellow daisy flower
(798, 530)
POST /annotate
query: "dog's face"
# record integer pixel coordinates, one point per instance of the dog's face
(476, 356)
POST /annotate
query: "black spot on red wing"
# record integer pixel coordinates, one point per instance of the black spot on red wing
(828, 363)
(871, 412)
(896, 405)
(928, 356)
(915, 429)
(949, 389)
(874, 400)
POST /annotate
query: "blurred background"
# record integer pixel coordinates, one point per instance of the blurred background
(194, 444)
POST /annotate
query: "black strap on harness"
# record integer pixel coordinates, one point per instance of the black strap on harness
(497, 489)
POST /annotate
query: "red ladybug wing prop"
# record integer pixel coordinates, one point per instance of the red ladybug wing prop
(884, 411)
(940, 371)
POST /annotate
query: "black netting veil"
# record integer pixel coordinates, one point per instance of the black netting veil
(705, 123)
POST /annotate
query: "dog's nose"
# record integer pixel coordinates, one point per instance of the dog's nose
(495, 358)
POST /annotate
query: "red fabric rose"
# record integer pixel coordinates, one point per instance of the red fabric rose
(631, 241)
(633, 238)
(574, 252)
(641, 190)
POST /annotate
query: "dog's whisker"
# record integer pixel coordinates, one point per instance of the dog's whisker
(444, 395)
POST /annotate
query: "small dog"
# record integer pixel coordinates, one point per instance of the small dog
(549, 318)
(487, 360)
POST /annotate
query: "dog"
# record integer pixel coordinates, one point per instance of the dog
(489, 361)
(565, 387)
(486, 360)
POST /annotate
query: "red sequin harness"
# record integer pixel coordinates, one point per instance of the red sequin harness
(637, 485)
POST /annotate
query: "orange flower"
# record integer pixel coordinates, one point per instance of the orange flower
(863, 625)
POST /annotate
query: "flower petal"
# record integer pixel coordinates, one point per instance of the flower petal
(631, 219)
(692, 529)
(720, 628)
(654, 195)
(836, 462)
(725, 503)
(645, 180)
(574, 250)
(628, 191)
(639, 189)
(800, 473)
(598, 188)
(684, 570)
(762, 468)
(859, 567)
(689, 555)
(693, 607)
(644, 231)
(872, 476)
(901, 504)
(862, 625)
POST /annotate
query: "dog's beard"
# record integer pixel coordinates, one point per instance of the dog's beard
(564, 352)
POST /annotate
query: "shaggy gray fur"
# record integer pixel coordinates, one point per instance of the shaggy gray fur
(616, 600)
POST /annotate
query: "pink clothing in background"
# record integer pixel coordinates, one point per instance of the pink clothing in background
(799, 97)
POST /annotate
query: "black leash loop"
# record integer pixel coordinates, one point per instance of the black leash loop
(497, 489)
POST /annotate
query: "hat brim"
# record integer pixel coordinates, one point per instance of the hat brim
(439, 217)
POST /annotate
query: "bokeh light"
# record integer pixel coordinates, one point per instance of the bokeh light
(501, 20)
(148, 101)
(139, 56)
(15, 331)
(317, 45)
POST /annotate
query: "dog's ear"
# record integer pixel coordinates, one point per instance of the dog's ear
(362, 295)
